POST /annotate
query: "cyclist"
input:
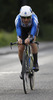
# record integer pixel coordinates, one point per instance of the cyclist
(26, 23)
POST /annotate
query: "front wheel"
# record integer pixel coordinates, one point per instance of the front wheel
(26, 84)
(32, 81)
(25, 75)
(31, 73)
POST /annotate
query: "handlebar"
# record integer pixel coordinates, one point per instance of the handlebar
(13, 43)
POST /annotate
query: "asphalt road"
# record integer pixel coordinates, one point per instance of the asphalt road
(11, 85)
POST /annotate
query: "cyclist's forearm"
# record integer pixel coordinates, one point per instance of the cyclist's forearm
(18, 30)
(33, 31)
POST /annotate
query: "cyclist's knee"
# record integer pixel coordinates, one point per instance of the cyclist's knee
(20, 48)
(33, 45)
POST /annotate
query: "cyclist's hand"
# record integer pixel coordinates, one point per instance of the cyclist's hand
(27, 41)
(19, 40)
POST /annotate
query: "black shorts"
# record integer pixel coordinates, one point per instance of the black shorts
(25, 31)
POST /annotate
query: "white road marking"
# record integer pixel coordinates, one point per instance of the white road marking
(45, 60)
(16, 67)
(11, 72)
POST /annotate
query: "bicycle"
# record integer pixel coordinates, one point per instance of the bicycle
(27, 67)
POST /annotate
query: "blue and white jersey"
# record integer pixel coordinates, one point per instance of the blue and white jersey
(33, 22)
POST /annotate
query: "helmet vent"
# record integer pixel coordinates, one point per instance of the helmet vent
(25, 13)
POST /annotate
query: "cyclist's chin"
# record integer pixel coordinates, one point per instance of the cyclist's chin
(26, 23)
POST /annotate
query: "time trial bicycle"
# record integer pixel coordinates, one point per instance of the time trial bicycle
(27, 67)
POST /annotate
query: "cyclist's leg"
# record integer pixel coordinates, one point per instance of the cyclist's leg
(20, 52)
(34, 52)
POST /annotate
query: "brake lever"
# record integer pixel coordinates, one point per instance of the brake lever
(11, 45)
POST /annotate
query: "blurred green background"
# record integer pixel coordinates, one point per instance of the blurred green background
(9, 10)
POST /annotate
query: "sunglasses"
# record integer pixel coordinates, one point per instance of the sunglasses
(26, 17)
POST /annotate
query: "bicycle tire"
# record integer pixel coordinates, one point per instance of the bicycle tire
(25, 74)
(32, 81)
(31, 74)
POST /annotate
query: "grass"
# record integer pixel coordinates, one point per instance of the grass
(6, 38)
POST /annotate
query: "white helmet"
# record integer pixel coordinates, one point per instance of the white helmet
(25, 11)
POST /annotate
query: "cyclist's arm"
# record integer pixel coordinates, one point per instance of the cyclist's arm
(17, 24)
(18, 30)
(33, 31)
(34, 28)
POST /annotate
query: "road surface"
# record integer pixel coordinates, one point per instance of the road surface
(11, 85)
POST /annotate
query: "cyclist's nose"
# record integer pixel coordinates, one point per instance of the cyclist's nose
(25, 19)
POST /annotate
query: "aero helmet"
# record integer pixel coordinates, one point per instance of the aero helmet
(25, 11)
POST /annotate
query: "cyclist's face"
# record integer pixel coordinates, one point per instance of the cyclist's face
(26, 20)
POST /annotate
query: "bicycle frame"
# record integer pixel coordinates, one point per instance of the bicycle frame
(28, 53)
(27, 48)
